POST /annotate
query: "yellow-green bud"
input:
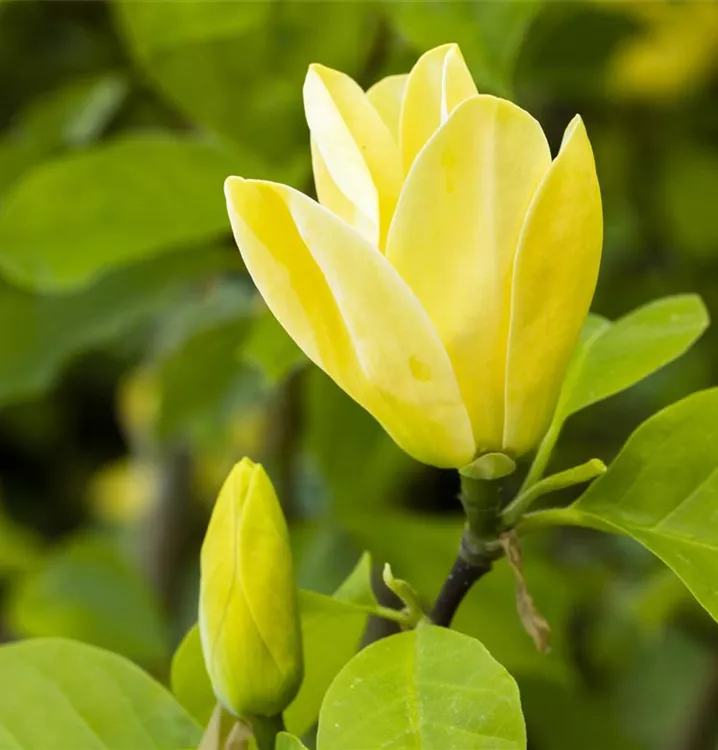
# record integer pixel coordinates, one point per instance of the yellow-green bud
(248, 611)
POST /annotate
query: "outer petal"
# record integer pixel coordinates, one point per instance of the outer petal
(437, 84)
(554, 279)
(356, 147)
(332, 197)
(351, 313)
(387, 96)
(454, 239)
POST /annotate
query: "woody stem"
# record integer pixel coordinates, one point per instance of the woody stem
(480, 546)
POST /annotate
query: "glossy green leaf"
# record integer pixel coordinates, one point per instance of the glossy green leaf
(357, 588)
(69, 117)
(189, 679)
(200, 379)
(269, 347)
(47, 330)
(202, 383)
(332, 627)
(663, 491)
(237, 68)
(87, 591)
(77, 217)
(614, 356)
(490, 34)
(422, 549)
(331, 631)
(322, 552)
(338, 432)
(58, 694)
(429, 688)
(286, 741)
(553, 63)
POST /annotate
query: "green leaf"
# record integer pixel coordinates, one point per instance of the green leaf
(553, 64)
(57, 694)
(49, 330)
(287, 741)
(332, 627)
(357, 588)
(576, 475)
(201, 381)
(339, 433)
(238, 68)
(662, 490)
(189, 680)
(322, 553)
(611, 357)
(331, 632)
(69, 117)
(490, 34)
(87, 591)
(426, 688)
(75, 218)
(269, 347)
(422, 549)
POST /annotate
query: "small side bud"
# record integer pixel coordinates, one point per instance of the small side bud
(248, 611)
(408, 595)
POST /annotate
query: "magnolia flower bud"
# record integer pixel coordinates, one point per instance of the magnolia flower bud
(248, 613)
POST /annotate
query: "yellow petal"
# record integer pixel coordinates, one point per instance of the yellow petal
(331, 196)
(351, 313)
(248, 611)
(356, 147)
(554, 279)
(454, 239)
(437, 84)
(386, 96)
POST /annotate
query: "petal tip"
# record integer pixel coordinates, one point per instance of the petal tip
(576, 125)
(445, 48)
(246, 463)
(231, 183)
(319, 70)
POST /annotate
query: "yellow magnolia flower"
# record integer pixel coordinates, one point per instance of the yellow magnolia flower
(248, 611)
(444, 276)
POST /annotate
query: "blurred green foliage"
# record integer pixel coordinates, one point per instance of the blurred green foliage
(137, 364)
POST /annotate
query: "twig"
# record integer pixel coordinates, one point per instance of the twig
(462, 577)
(480, 545)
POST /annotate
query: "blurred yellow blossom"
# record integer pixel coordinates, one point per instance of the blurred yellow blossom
(675, 49)
(124, 491)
